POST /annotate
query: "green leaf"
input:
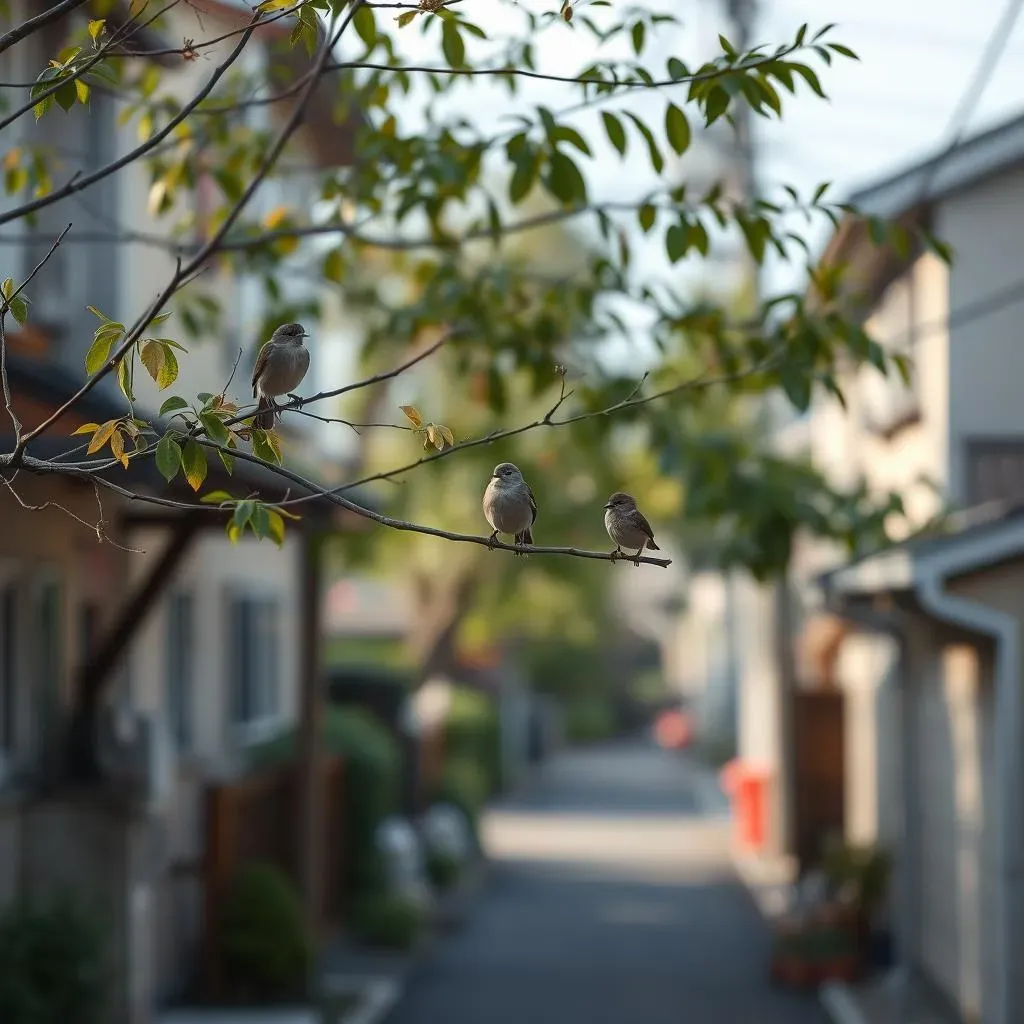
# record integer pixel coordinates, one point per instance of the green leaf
(193, 461)
(214, 427)
(334, 266)
(259, 523)
(406, 18)
(262, 448)
(124, 378)
(42, 107)
(169, 369)
(810, 78)
(677, 129)
(366, 26)
(65, 96)
(216, 498)
(243, 513)
(522, 180)
(228, 461)
(152, 358)
(19, 309)
(676, 242)
(99, 353)
(615, 132)
(173, 404)
(715, 104)
(168, 457)
(564, 180)
(797, 386)
(637, 35)
(452, 45)
(646, 216)
(657, 160)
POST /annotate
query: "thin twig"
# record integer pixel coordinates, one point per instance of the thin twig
(26, 28)
(5, 305)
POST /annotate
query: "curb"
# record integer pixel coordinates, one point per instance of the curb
(840, 1005)
(380, 993)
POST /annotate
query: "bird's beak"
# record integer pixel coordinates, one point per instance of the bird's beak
(609, 505)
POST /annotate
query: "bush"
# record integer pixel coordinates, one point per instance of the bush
(472, 732)
(373, 766)
(588, 719)
(53, 967)
(443, 869)
(266, 952)
(464, 785)
(389, 920)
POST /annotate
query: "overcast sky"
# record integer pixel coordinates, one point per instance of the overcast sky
(884, 112)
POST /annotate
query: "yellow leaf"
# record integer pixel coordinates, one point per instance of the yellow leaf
(274, 440)
(446, 434)
(137, 7)
(96, 27)
(434, 436)
(82, 91)
(153, 358)
(275, 218)
(233, 532)
(101, 437)
(413, 415)
(169, 369)
(117, 447)
(405, 17)
(86, 428)
(276, 526)
(145, 128)
(12, 158)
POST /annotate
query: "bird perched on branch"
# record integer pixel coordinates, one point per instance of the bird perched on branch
(509, 505)
(280, 367)
(627, 526)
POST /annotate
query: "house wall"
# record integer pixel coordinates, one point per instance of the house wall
(986, 354)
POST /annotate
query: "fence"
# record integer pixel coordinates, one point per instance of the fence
(255, 819)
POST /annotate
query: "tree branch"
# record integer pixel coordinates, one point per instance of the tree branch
(216, 240)
(27, 28)
(407, 527)
(5, 305)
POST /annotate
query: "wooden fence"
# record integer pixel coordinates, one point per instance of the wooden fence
(256, 819)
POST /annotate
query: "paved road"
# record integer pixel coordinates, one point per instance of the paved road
(612, 902)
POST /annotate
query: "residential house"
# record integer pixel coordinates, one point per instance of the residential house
(191, 645)
(931, 670)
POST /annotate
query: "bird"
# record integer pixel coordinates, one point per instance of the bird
(509, 505)
(280, 367)
(627, 526)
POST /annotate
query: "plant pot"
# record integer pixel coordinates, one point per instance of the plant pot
(794, 971)
(843, 967)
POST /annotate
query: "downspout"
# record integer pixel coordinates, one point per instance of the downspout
(1007, 1006)
(895, 624)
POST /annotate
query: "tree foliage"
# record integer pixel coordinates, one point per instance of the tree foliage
(416, 227)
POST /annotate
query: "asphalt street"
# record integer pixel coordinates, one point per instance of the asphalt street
(612, 901)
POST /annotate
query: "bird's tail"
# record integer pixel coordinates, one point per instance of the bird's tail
(652, 545)
(266, 414)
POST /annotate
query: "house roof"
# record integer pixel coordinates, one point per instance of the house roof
(47, 381)
(907, 195)
(899, 567)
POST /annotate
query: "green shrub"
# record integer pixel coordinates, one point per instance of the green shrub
(588, 719)
(266, 952)
(472, 732)
(388, 920)
(53, 965)
(373, 766)
(464, 785)
(443, 869)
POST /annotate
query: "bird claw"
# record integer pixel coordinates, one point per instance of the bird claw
(492, 540)
(615, 555)
(636, 558)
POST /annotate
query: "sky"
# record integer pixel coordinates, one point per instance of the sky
(884, 112)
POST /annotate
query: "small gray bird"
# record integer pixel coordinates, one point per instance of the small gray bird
(627, 526)
(509, 505)
(280, 367)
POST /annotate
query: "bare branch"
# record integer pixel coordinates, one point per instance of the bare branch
(5, 305)
(27, 28)
(377, 378)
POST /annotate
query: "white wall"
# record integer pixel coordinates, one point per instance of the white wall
(985, 225)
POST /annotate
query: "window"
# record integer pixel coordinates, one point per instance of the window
(180, 668)
(255, 663)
